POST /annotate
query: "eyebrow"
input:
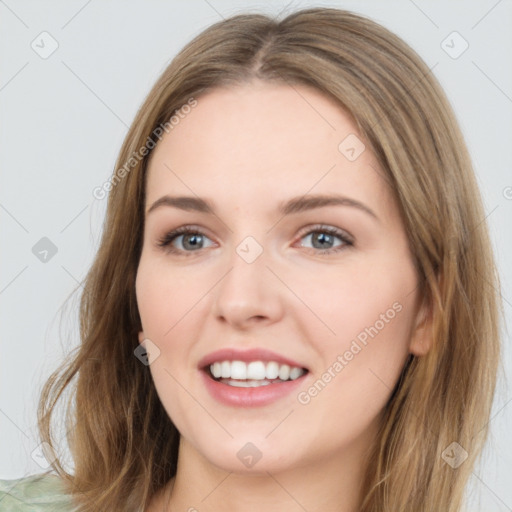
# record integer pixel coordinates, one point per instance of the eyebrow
(292, 206)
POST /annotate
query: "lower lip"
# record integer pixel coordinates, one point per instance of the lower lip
(249, 397)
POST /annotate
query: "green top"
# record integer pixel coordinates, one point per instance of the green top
(35, 493)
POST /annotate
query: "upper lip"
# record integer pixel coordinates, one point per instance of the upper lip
(253, 354)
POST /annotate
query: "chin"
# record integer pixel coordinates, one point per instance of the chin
(243, 456)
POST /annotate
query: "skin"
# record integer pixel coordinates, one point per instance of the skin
(246, 149)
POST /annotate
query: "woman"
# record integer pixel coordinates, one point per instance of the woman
(333, 342)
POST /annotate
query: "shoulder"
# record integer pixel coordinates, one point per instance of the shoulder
(36, 493)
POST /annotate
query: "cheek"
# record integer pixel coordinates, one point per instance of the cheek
(349, 392)
(168, 306)
(172, 302)
(372, 319)
(165, 296)
(367, 313)
(363, 293)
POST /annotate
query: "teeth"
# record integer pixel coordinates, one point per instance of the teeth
(216, 369)
(225, 369)
(248, 383)
(257, 372)
(238, 370)
(284, 372)
(295, 373)
(272, 370)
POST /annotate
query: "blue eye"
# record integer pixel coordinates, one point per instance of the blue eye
(193, 240)
(192, 237)
(324, 236)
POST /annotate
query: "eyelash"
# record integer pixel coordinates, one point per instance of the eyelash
(166, 240)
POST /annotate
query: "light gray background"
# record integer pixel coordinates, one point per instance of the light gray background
(62, 125)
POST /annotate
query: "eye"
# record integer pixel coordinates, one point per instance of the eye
(324, 237)
(192, 240)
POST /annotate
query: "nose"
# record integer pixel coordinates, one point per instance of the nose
(249, 294)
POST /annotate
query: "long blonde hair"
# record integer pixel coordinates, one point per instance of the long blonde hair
(123, 444)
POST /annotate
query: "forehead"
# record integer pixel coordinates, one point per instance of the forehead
(260, 117)
(260, 141)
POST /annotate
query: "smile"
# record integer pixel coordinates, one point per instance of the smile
(250, 377)
(253, 374)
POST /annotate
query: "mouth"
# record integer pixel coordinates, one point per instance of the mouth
(252, 374)
(251, 377)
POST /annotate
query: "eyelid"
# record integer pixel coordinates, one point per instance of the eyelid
(332, 230)
(166, 240)
(169, 237)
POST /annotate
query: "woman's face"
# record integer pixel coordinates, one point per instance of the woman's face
(279, 270)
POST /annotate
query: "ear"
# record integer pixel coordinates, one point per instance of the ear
(421, 336)
(141, 336)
